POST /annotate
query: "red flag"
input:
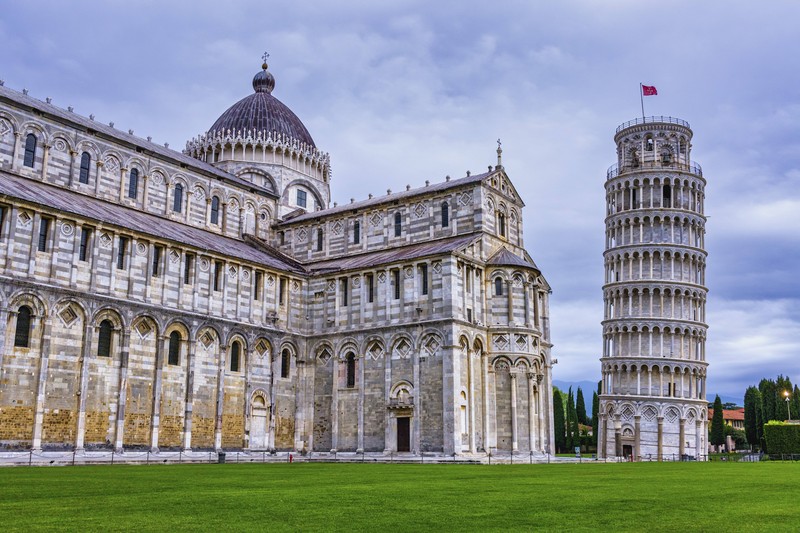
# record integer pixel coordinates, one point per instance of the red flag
(649, 90)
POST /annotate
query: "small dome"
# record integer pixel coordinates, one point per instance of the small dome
(263, 113)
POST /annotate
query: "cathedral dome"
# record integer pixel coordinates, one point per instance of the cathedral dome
(263, 113)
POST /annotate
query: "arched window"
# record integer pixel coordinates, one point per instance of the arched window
(133, 183)
(215, 210)
(398, 224)
(350, 361)
(666, 194)
(356, 232)
(86, 161)
(104, 339)
(236, 350)
(285, 361)
(498, 286)
(30, 150)
(177, 199)
(445, 214)
(174, 348)
(501, 224)
(320, 236)
(22, 335)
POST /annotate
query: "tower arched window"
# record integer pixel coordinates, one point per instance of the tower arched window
(174, 356)
(30, 150)
(177, 199)
(215, 210)
(445, 214)
(320, 237)
(501, 224)
(666, 194)
(286, 359)
(86, 161)
(22, 334)
(133, 183)
(356, 232)
(398, 224)
(350, 361)
(236, 353)
(498, 286)
(104, 339)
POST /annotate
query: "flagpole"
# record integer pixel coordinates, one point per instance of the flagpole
(641, 98)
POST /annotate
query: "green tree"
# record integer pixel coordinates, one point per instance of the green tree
(752, 406)
(762, 443)
(558, 420)
(717, 424)
(574, 428)
(767, 389)
(796, 403)
(783, 390)
(580, 406)
(570, 407)
(596, 412)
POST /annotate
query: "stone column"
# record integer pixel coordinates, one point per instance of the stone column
(514, 436)
(682, 442)
(45, 160)
(361, 363)
(13, 219)
(388, 445)
(84, 381)
(699, 451)
(617, 437)
(44, 345)
(471, 400)
(532, 414)
(223, 357)
(122, 391)
(485, 400)
(17, 141)
(416, 421)
(526, 291)
(601, 436)
(660, 438)
(335, 405)
(637, 432)
(509, 289)
(187, 416)
(156, 417)
(72, 153)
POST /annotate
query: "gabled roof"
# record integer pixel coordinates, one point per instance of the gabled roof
(74, 119)
(66, 201)
(503, 257)
(389, 198)
(393, 255)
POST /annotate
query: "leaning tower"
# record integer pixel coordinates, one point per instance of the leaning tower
(653, 398)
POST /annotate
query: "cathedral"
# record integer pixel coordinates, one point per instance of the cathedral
(216, 299)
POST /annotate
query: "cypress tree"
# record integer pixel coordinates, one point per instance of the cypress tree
(558, 420)
(569, 421)
(718, 424)
(782, 386)
(752, 404)
(573, 428)
(580, 406)
(796, 403)
(762, 444)
(595, 414)
(767, 389)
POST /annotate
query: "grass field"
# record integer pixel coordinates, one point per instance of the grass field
(406, 498)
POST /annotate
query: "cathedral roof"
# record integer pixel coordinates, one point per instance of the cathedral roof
(389, 198)
(392, 255)
(503, 257)
(136, 221)
(262, 113)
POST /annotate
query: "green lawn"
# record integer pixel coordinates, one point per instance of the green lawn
(404, 498)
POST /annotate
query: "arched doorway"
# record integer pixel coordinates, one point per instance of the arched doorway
(259, 416)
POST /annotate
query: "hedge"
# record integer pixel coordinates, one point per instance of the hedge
(782, 437)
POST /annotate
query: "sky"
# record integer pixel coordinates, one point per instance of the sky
(406, 91)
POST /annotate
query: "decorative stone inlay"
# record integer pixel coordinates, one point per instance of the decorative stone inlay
(324, 355)
(232, 271)
(295, 286)
(437, 267)
(67, 229)
(5, 127)
(627, 413)
(60, 145)
(409, 272)
(302, 234)
(68, 315)
(650, 413)
(111, 164)
(431, 345)
(141, 248)
(157, 178)
(262, 348)
(24, 218)
(521, 342)
(356, 281)
(204, 264)
(375, 350)
(245, 274)
(105, 240)
(672, 415)
(331, 286)
(465, 198)
(500, 341)
(199, 194)
(518, 281)
(381, 277)
(207, 339)
(174, 257)
(270, 280)
(490, 204)
(501, 365)
(402, 350)
(144, 328)
(419, 210)
(376, 219)
(337, 227)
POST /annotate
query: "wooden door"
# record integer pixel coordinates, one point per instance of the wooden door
(403, 434)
